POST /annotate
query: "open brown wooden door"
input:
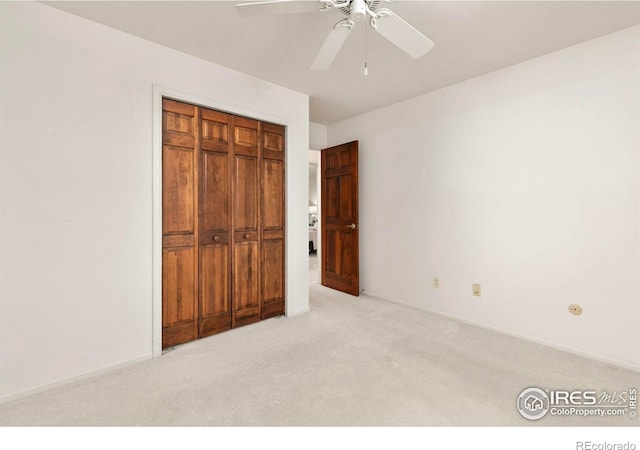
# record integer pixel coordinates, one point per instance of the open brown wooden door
(340, 256)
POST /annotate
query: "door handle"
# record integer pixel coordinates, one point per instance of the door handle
(353, 226)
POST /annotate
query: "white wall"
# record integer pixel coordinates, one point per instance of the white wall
(526, 180)
(76, 188)
(313, 179)
(317, 136)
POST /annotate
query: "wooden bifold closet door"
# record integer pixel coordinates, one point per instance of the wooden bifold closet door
(222, 221)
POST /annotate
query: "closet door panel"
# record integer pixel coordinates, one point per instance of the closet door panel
(179, 223)
(245, 136)
(215, 192)
(179, 295)
(272, 278)
(215, 296)
(215, 223)
(246, 193)
(214, 130)
(177, 190)
(178, 265)
(245, 283)
(178, 125)
(273, 137)
(272, 194)
(272, 220)
(246, 237)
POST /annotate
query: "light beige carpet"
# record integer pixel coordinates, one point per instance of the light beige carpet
(348, 362)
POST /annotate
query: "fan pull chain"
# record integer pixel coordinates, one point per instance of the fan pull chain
(366, 34)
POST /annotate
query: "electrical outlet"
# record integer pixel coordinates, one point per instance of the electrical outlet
(576, 310)
(436, 282)
(476, 290)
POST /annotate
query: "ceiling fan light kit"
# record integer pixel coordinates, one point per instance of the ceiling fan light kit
(383, 20)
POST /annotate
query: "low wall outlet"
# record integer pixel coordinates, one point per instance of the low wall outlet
(476, 290)
(436, 282)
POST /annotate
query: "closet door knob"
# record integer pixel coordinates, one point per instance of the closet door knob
(247, 236)
(216, 239)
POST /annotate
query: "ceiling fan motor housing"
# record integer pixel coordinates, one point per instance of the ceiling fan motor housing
(357, 9)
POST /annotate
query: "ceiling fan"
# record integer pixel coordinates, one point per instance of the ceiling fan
(382, 20)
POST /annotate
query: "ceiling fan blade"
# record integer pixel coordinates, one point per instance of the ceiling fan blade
(400, 33)
(279, 7)
(332, 45)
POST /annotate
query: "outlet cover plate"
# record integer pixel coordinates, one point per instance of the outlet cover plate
(576, 310)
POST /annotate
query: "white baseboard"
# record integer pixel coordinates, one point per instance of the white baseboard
(73, 379)
(601, 358)
(298, 312)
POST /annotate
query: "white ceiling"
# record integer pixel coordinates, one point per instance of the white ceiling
(472, 38)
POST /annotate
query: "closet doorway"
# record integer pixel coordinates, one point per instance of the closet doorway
(222, 221)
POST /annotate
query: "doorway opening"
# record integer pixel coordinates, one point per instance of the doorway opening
(314, 217)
